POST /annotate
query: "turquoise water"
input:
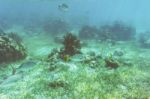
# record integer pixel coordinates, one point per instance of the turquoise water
(134, 12)
(74, 49)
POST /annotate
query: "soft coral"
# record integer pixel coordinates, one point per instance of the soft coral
(71, 44)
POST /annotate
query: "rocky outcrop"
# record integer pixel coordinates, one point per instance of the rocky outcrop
(10, 50)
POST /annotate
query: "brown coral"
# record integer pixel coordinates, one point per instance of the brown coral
(111, 63)
(71, 44)
(10, 50)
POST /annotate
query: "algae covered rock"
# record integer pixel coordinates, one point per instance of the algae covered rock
(10, 50)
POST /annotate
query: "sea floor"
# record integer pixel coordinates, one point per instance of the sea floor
(85, 76)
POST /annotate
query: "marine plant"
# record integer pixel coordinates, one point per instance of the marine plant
(71, 45)
(110, 62)
(66, 58)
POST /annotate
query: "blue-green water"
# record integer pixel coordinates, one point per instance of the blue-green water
(94, 11)
(74, 49)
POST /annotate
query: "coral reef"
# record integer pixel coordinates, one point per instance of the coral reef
(10, 50)
(105, 33)
(118, 31)
(53, 53)
(122, 31)
(56, 27)
(52, 57)
(15, 37)
(93, 61)
(144, 39)
(71, 44)
(88, 32)
(91, 74)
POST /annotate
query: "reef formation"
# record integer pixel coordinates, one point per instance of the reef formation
(11, 49)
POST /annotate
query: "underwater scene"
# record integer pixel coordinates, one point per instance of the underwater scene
(74, 49)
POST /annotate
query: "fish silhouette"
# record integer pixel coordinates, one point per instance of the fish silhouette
(63, 7)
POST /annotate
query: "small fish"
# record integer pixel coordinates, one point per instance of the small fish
(27, 65)
(63, 7)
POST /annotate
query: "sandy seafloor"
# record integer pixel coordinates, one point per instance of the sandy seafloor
(74, 79)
